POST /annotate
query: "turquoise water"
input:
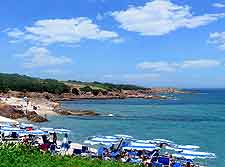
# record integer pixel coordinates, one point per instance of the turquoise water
(188, 119)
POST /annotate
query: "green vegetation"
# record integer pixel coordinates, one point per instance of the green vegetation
(24, 83)
(19, 155)
(108, 86)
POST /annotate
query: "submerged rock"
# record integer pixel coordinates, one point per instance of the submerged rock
(63, 111)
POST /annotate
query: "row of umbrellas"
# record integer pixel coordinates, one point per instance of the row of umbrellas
(21, 130)
(179, 151)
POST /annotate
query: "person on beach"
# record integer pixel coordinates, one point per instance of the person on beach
(65, 143)
(54, 138)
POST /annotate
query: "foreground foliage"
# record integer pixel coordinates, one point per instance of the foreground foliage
(27, 156)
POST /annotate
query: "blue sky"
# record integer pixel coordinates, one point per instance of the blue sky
(179, 43)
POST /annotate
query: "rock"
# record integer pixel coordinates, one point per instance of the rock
(63, 111)
(34, 117)
(10, 111)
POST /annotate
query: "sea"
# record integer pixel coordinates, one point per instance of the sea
(196, 119)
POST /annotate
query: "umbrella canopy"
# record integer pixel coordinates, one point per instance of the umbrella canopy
(102, 139)
(47, 129)
(37, 132)
(159, 141)
(11, 129)
(23, 125)
(140, 148)
(142, 141)
(123, 136)
(61, 131)
(194, 154)
(142, 144)
(188, 147)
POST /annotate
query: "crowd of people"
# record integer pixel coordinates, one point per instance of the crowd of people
(147, 158)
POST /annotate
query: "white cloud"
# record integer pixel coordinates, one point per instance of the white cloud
(159, 17)
(133, 77)
(202, 63)
(66, 31)
(218, 5)
(218, 38)
(158, 66)
(39, 57)
(163, 66)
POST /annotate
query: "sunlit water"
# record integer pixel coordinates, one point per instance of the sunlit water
(186, 119)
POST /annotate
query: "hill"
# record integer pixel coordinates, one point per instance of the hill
(16, 82)
(23, 83)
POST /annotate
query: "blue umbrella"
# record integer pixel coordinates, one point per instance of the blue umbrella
(37, 132)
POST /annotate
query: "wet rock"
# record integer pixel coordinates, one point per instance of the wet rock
(63, 111)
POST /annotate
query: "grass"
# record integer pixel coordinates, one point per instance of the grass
(19, 155)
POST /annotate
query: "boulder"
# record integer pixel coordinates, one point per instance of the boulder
(63, 111)
(34, 117)
(10, 111)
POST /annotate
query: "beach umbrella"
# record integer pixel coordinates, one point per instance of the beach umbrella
(148, 148)
(11, 129)
(62, 131)
(47, 129)
(5, 125)
(37, 132)
(188, 147)
(103, 139)
(23, 125)
(142, 144)
(194, 155)
(142, 141)
(161, 141)
(123, 136)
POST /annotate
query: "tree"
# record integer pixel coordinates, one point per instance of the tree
(95, 92)
(75, 91)
(86, 89)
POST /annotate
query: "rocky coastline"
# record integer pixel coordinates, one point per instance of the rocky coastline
(43, 104)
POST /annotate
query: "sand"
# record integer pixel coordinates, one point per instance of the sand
(44, 107)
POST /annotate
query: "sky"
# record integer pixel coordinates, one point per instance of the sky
(152, 43)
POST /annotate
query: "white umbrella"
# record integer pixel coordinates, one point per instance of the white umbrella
(140, 148)
(187, 154)
(61, 131)
(47, 129)
(188, 147)
(102, 139)
(142, 144)
(123, 136)
(159, 141)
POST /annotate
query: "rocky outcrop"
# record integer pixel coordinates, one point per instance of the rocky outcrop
(34, 117)
(10, 112)
(63, 111)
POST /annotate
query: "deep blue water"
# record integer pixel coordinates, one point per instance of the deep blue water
(197, 118)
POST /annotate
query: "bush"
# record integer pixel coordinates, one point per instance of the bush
(75, 91)
(19, 155)
(86, 89)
